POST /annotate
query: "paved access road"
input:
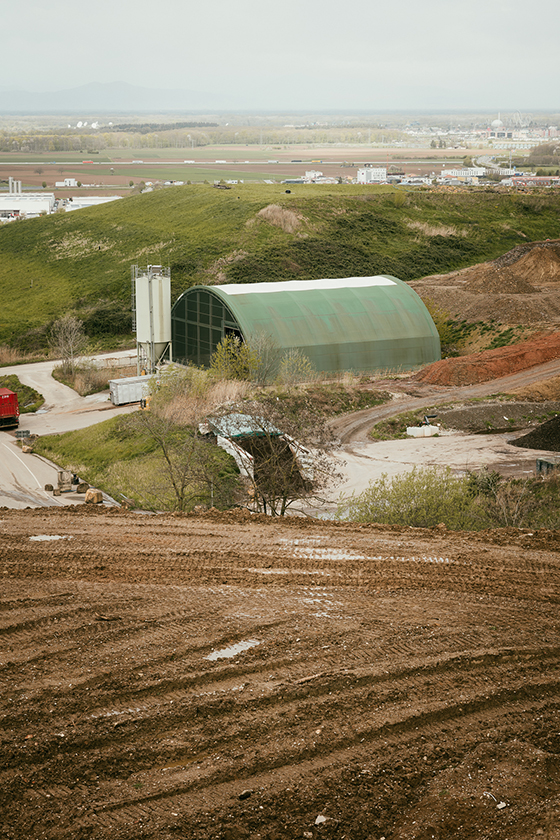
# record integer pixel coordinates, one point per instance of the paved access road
(22, 475)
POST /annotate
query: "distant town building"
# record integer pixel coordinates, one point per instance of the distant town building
(534, 181)
(78, 202)
(68, 182)
(372, 175)
(465, 172)
(16, 204)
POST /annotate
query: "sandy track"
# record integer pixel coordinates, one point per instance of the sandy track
(382, 667)
(354, 428)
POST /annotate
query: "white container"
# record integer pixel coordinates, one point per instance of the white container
(129, 389)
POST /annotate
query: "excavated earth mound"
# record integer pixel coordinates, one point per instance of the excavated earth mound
(497, 280)
(539, 266)
(500, 416)
(520, 287)
(542, 258)
(491, 364)
(546, 389)
(545, 436)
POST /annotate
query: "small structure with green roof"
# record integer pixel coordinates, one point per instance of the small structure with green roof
(353, 323)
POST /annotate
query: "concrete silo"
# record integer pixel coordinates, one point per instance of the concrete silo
(151, 307)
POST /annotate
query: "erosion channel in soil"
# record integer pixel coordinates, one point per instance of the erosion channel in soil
(232, 676)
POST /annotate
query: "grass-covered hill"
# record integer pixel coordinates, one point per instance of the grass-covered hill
(81, 260)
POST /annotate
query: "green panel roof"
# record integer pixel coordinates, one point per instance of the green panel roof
(355, 323)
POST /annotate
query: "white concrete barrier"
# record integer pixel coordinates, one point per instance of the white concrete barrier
(422, 431)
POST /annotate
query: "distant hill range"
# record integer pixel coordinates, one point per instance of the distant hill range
(107, 98)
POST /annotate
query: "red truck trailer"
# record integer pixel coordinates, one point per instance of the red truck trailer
(9, 408)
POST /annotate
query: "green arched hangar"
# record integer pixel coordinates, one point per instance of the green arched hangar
(353, 323)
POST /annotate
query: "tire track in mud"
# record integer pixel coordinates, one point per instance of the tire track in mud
(110, 692)
(479, 668)
(449, 570)
(194, 792)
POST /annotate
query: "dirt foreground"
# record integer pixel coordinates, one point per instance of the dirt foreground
(234, 676)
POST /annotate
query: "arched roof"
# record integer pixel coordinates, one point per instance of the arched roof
(352, 323)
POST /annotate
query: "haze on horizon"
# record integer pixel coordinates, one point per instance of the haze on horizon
(312, 55)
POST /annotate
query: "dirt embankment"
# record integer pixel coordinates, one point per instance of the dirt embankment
(492, 364)
(520, 287)
(238, 677)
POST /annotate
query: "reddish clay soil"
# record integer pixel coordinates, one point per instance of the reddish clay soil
(492, 364)
(388, 682)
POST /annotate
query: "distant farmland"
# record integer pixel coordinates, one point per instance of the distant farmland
(112, 170)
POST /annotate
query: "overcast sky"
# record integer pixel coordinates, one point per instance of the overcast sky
(296, 54)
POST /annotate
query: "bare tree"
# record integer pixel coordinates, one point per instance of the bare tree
(69, 341)
(193, 470)
(288, 443)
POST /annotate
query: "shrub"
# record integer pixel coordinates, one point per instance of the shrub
(421, 498)
(295, 367)
(232, 359)
(106, 317)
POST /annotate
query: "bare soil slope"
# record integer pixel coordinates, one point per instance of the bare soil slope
(235, 676)
(520, 287)
(492, 364)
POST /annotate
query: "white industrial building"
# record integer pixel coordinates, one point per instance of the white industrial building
(372, 175)
(465, 172)
(16, 204)
(78, 202)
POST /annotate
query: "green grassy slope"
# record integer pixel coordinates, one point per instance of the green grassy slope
(49, 265)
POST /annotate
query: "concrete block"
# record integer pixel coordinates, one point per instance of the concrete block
(422, 431)
(93, 497)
